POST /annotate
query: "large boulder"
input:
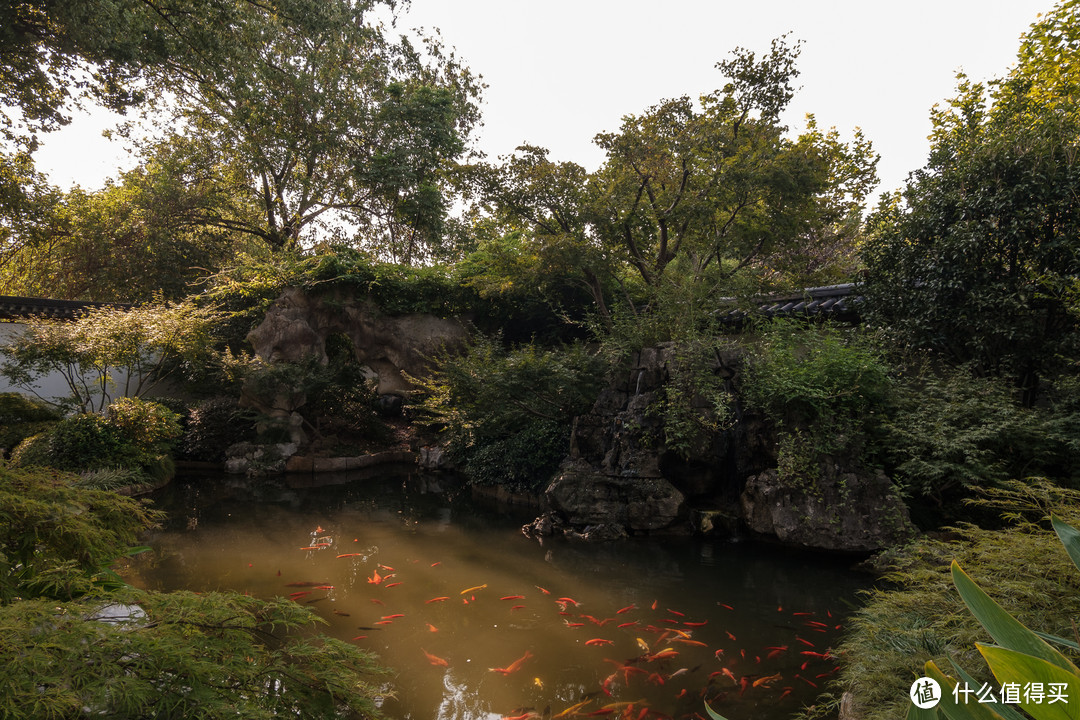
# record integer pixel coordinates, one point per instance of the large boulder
(842, 511)
(298, 324)
(586, 497)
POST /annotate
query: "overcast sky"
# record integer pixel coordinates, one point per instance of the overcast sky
(560, 71)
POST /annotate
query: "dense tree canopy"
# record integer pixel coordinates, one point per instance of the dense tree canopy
(977, 258)
(714, 188)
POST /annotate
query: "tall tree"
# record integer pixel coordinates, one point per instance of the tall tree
(977, 257)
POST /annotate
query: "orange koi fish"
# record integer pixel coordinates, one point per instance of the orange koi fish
(766, 681)
(436, 599)
(655, 603)
(815, 623)
(728, 674)
(570, 710)
(432, 628)
(514, 666)
(573, 624)
(808, 682)
(435, 659)
(466, 591)
(628, 608)
(775, 652)
(350, 555)
(384, 622)
(662, 655)
(689, 642)
(517, 607)
(568, 601)
(676, 612)
(744, 682)
(377, 601)
(807, 643)
(703, 623)
(434, 564)
(393, 617)
(298, 595)
(546, 592)
(655, 678)
(387, 568)
(599, 641)
(811, 653)
(512, 597)
(375, 579)
(632, 623)
(787, 691)
(324, 587)
(390, 585)
(732, 637)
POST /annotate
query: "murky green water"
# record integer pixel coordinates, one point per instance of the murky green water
(480, 622)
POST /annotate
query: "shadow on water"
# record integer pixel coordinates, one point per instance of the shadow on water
(478, 621)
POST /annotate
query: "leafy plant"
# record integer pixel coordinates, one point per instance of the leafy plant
(1020, 657)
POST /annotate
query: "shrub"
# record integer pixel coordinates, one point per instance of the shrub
(824, 390)
(213, 425)
(85, 442)
(522, 461)
(22, 417)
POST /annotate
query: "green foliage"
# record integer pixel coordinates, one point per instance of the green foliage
(57, 541)
(823, 389)
(918, 616)
(171, 655)
(21, 417)
(523, 460)
(215, 655)
(136, 436)
(977, 261)
(111, 351)
(512, 397)
(695, 403)
(950, 432)
(212, 426)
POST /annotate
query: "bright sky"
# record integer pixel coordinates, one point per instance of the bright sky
(560, 71)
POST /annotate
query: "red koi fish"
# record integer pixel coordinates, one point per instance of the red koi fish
(732, 637)
(434, 564)
(350, 555)
(432, 628)
(384, 622)
(775, 652)
(324, 587)
(815, 623)
(573, 624)
(435, 659)
(376, 578)
(568, 601)
(377, 601)
(696, 624)
(599, 641)
(811, 653)
(436, 599)
(298, 595)
(689, 642)
(512, 597)
(514, 666)
(360, 637)
(676, 612)
(626, 609)
(725, 605)
(390, 585)
(787, 691)
(387, 568)
(808, 682)
(632, 623)
(654, 604)
(393, 617)
(807, 643)
(516, 607)
(546, 592)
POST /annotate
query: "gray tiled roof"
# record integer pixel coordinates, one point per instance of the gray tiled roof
(838, 302)
(17, 308)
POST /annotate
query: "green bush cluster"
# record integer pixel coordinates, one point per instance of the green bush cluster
(21, 417)
(824, 389)
(136, 434)
(505, 414)
(212, 426)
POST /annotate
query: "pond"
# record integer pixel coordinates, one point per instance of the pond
(479, 622)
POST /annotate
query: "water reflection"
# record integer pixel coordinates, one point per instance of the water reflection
(480, 622)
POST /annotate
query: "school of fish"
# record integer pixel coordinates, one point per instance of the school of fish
(652, 661)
